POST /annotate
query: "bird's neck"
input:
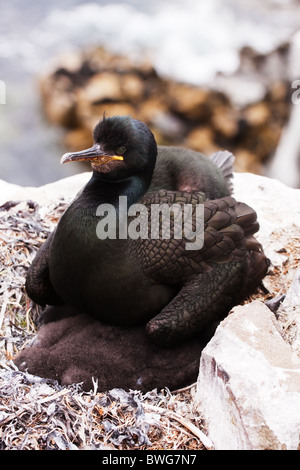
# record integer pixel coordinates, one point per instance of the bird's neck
(103, 191)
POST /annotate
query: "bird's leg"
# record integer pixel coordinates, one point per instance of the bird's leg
(206, 298)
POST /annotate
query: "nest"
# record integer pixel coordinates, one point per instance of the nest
(38, 414)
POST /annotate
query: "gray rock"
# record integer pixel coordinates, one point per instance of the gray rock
(249, 383)
(51, 193)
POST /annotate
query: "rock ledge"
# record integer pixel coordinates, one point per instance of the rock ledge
(249, 383)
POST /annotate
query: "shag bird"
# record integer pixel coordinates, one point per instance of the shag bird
(149, 280)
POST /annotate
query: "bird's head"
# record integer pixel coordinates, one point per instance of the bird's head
(123, 147)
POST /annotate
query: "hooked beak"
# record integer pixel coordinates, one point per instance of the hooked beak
(94, 154)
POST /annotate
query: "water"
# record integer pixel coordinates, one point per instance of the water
(185, 39)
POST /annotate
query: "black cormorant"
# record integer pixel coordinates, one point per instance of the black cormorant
(144, 280)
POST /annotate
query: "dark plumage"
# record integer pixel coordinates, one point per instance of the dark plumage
(125, 282)
(179, 169)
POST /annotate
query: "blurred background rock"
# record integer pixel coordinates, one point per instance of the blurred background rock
(207, 75)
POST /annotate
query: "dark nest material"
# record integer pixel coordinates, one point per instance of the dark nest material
(36, 413)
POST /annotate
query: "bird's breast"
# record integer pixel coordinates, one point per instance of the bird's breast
(99, 276)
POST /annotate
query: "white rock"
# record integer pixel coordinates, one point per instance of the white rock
(278, 211)
(275, 203)
(66, 189)
(249, 383)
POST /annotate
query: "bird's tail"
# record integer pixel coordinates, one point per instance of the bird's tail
(224, 161)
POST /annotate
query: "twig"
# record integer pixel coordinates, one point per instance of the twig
(190, 426)
(184, 389)
(53, 396)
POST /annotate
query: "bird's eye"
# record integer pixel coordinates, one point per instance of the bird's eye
(120, 150)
